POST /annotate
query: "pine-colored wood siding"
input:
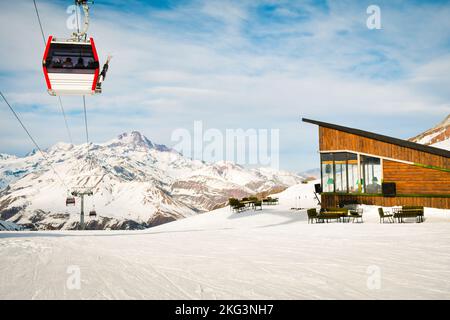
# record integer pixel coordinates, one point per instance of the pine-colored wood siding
(412, 179)
(332, 139)
(333, 200)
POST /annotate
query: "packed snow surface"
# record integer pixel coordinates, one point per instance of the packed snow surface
(268, 254)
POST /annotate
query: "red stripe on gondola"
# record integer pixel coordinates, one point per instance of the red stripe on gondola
(44, 67)
(97, 71)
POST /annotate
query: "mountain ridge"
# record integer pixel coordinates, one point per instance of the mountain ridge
(437, 136)
(137, 183)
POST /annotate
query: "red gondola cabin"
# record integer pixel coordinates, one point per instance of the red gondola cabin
(71, 68)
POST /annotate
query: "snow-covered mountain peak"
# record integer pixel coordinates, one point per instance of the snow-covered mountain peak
(136, 183)
(438, 136)
(60, 146)
(135, 140)
(31, 153)
(223, 165)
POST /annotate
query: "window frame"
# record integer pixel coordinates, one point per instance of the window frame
(344, 155)
(72, 51)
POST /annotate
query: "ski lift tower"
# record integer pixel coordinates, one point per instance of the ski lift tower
(81, 195)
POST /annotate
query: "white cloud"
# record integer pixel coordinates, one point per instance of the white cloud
(221, 63)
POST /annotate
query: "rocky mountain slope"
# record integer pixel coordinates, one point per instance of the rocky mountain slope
(438, 136)
(136, 184)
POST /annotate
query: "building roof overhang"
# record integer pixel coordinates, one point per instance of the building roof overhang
(383, 138)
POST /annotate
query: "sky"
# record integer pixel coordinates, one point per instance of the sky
(234, 65)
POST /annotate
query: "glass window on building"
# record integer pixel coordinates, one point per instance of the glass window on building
(371, 172)
(353, 178)
(327, 170)
(340, 165)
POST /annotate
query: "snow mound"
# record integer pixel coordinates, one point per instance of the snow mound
(268, 254)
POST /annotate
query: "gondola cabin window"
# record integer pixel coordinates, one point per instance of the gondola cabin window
(67, 58)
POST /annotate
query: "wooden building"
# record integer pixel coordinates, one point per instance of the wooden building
(368, 168)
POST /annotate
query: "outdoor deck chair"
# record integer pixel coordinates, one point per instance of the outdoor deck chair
(383, 216)
(235, 205)
(312, 215)
(356, 215)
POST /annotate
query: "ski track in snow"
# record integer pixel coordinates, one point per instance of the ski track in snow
(269, 254)
(221, 255)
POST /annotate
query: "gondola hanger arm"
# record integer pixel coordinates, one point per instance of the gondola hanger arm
(85, 6)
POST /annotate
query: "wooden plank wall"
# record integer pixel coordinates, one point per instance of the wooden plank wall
(416, 180)
(331, 139)
(333, 200)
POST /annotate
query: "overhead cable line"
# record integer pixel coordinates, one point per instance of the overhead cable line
(85, 119)
(65, 119)
(32, 139)
(76, 16)
(85, 123)
(59, 98)
(39, 20)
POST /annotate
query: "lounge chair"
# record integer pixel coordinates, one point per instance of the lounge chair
(255, 203)
(312, 215)
(383, 216)
(356, 215)
(236, 205)
(270, 201)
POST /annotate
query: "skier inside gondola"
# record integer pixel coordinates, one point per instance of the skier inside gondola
(80, 64)
(68, 63)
